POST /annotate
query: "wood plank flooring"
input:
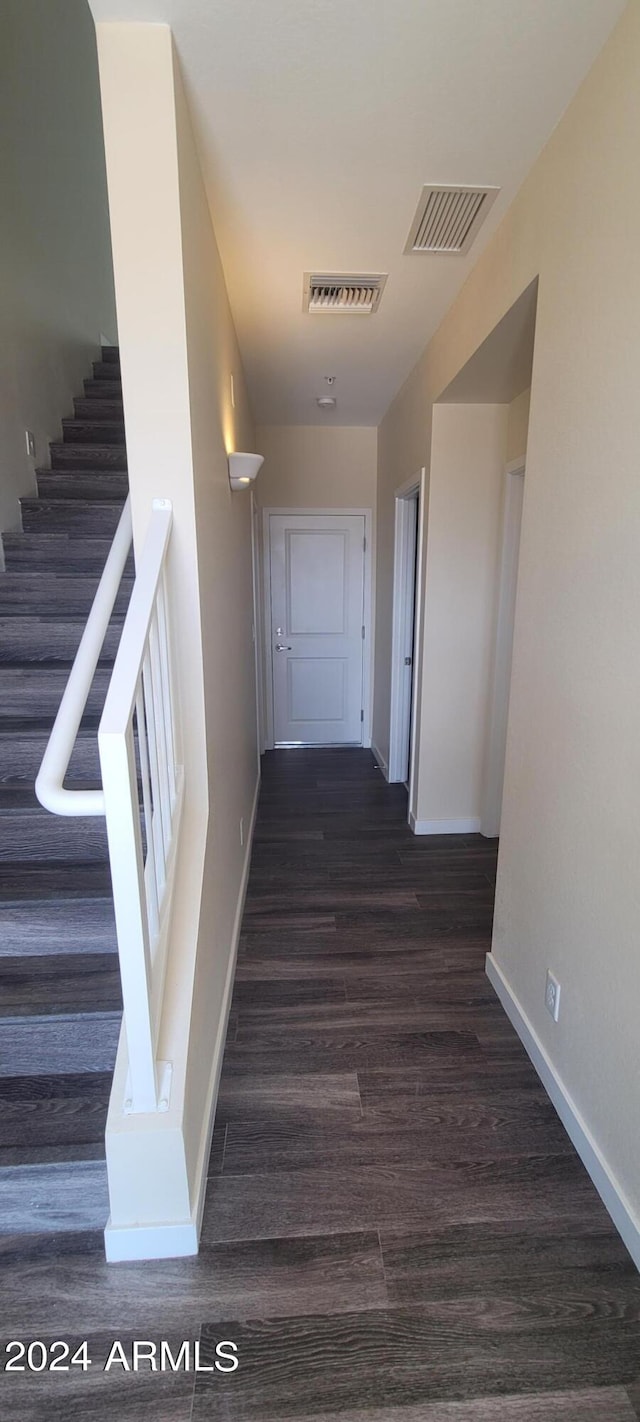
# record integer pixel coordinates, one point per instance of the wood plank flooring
(397, 1228)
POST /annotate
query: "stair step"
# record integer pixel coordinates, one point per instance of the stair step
(53, 879)
(102, 410)
(31, 693)
(69, 1042)
(58, 1198)
(103, 389)
(56, 927)
(69, 983)
(36, 834)
(46, 595)
(100, 485)
(40, 639)
(59, 553)
(88, 517)
(22, 748)
(93, 431)
(106, 370)
(51, 1152)
(110, 354)
(66, 456)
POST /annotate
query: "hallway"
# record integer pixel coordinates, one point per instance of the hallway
(397, 1225)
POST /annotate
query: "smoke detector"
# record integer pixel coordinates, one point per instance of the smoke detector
(342, 292)
(448, 218)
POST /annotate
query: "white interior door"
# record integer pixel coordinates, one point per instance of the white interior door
(317, 600)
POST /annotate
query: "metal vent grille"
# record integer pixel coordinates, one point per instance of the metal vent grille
(335, 292)
(448, 218)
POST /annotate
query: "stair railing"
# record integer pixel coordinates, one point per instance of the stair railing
(142, 787)
(50, 787)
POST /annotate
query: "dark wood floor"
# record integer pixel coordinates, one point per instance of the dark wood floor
(397, 1227)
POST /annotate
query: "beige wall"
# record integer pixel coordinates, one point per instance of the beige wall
(178, 351)
(568, 878)
(518, 427)
(56, 296)
(317, 466)
(467, 473)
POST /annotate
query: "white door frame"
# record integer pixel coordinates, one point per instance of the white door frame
(493, 778)
(367, 645)
(258, 639)
(405, 610)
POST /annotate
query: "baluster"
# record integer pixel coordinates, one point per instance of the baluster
(167, 695)
(151, 879)
(160, 732)
(158, 837)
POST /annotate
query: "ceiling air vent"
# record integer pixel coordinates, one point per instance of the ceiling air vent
(448, 218)
(335, 292)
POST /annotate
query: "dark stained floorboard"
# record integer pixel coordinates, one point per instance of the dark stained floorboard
(397, 1228)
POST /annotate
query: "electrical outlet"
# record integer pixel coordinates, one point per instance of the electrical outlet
(241, 833)
(552, 996)
(30, 440)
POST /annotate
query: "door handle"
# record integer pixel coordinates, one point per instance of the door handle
(408, 661)
(280, 647)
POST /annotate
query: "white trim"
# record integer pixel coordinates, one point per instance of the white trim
(159, 1241)
(423, 514)
(368, 641)
(609, 1189)
(470, 826)
(380, 760)
(177, 1239)
(258, 625)
(200, 1176)
(496, 733)
(404, 605)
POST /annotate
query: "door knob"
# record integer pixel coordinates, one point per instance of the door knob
(280, 647)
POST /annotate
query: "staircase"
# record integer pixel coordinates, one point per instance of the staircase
(60, 1002)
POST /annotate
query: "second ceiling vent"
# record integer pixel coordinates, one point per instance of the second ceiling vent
(448, 218)
(337, 292)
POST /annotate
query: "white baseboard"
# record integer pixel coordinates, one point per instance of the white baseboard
(200, 1175)
(471, 826)
(161, 1241)
(603, 1177)
(379, 758)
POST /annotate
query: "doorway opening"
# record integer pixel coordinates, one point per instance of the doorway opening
(405, 640)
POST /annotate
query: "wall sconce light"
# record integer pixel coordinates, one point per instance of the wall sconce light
(243, 469)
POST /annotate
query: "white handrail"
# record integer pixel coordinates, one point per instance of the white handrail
(55, 764)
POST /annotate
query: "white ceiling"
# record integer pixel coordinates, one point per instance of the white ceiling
(318, 123)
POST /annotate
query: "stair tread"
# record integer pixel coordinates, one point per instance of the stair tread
(87, 407)
(43, 879)
(57, 1152)
(98, 515)
(103, 389)
(101, 485)
(65, 455)
(93, 431)
(70, 983)
(54, 1197)
(46, 927)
